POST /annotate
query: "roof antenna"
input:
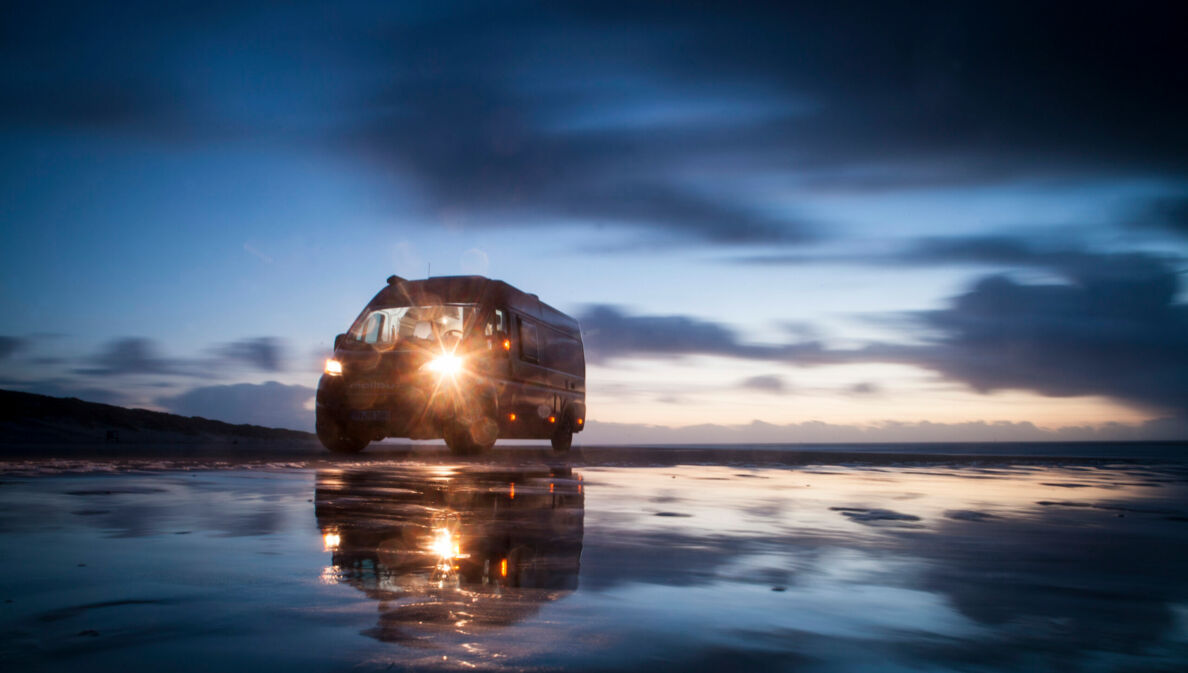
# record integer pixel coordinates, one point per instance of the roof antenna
(428, 269)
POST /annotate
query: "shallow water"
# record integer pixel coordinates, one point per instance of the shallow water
(393, 565)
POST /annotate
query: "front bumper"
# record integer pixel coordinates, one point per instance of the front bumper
(417, 407)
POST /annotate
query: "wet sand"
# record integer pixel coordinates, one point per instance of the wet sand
(690, 559)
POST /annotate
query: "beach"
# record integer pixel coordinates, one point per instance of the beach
(767, 560)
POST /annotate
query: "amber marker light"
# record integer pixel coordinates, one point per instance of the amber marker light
(580, 421)
(511, 491)
(333, 367)
(552, 419)
(507, 344)
(503, 568)
(511, 417)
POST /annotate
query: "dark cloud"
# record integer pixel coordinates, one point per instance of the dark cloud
(816, 432)
(865, 388)
(1064, 258)
(134, 355)
(1117, 332)
(269, 404)
(1058, 254)
(766, 384)
(1169, 214)
(10, 345)
(475, 151)
(263, 353)
(642, 116)
(610, 333)
(75, 65)
(846, 95)
(1112, 327)
(141, 355)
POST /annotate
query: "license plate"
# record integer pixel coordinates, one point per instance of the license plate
(369, 415)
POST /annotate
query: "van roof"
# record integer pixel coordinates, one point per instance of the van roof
(466, 289)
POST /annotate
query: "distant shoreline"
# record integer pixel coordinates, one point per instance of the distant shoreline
(91, 457)
(39, 427)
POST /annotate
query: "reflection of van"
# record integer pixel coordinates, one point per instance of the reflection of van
(465, 358)
(448, 551)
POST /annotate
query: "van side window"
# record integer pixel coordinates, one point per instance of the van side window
(497, 323)
(373, 330)
(562, 352)
(529, 343)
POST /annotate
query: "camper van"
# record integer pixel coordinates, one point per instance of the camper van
(463, 358)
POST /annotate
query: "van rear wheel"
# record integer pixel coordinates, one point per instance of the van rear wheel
(562, 437)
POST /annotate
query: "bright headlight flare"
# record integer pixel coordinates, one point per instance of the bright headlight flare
(446, 364)
(333, 367)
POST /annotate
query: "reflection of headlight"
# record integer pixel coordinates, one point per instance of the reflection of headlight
(331, 540)
(445, 364)
(444, 545)
(333, 367)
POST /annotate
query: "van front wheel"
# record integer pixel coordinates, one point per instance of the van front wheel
(475, 437)
(458, 439)
(337, 438)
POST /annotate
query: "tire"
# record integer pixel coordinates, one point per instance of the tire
(458, 439)
(469, 437)
(475, 432)
(336, 436)
(562, 437)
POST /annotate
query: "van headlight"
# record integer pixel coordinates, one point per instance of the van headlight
(446, 364)
(333, 367)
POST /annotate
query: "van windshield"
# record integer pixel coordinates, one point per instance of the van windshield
(389, 326)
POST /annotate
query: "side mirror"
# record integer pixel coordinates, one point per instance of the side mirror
(338, 341)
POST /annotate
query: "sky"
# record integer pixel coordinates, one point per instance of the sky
(775, 222)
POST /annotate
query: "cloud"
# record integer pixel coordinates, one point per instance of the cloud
(1070, 260)
(263, 353)
(1116, 331)
(1111, 327)
(642, 118)
(1060, 255)
(766, 384)
(610, 333)
(1168, 213)
(134, 355)
(865, 388)
(269, 404)
(10, 345)
(476, 151)
(888, 431)
(527, 106)
(142, 356)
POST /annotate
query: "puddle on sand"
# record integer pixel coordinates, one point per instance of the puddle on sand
(685, 567)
